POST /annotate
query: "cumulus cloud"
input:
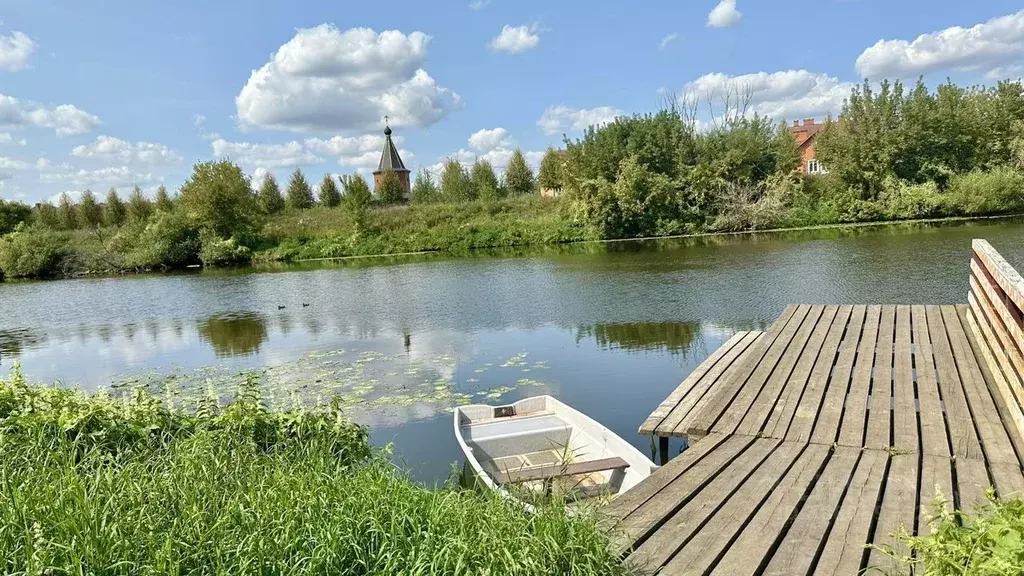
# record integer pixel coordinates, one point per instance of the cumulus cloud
(15, 51)
(515, 39)
(560, 119)
(478, 4)
(487, 140)
(65, 120)
(666, 40)
(780, 95)
(12, 164)
(724, 15)
(250, 155)
(112, 149)
(8, 140)
(112, 176)
(985, 46)
(328, 79)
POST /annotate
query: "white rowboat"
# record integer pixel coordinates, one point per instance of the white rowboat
(543, 446)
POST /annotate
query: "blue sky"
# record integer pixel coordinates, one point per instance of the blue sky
(117, 93)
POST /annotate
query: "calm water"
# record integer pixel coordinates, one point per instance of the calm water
(609, 328)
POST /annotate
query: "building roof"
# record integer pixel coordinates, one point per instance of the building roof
(805, 131)
(389, 158)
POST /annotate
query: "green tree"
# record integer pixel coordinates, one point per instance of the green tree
(46, 215)
(357, 200)
(299, 195)
(67, 212)
(550, 174)
(11, 214)
(391, 189)
(90, 213)
(33, 252)
(270, 198)
(114, 211)
(329, 194)
(139, 208)
(485, 181)
(456, 185)
(424, 190)
(163, 200)
(218, 200)
(518, 175)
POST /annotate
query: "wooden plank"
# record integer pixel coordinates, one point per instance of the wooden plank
(826, 427)
(1008, 479)
(552, 471)
(844, 547)
(997, 384)
(746, 553)
(733, 395)
(1004, 316)
(934, 439)
(782, 376)
(971, 482)
(796, 386)
(936, 483)
(989, 328)
(962, 436)
(651, 513)
(805, 412)
(701, 551)
(904, 413)
(995, 442)
(1008, 279)
(626, 503)
(674, 424)
(880, 403)
(898, 512)
(652, 422)
(681, 526)
(796, 553)
(851, 431)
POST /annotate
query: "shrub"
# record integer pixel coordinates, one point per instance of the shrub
(329, 195)
(223, 252)
(89, 211)
(391, 189)
(168, 240)
(218, 200)
(903, 200)
(33, 252)
(519, 178)
(299, 195)
(46, 215)
(11, 214)
(270, 198)
(114, 211)
(998, 190)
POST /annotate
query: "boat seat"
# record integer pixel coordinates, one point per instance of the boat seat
(552, 471)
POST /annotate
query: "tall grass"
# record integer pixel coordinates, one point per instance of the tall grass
(135, 485)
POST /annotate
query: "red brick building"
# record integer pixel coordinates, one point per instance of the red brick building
(804, 133)
(390, 160)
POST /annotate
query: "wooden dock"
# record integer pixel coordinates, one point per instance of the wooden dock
(832, 430)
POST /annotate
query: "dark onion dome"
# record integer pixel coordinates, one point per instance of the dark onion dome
(387, 130)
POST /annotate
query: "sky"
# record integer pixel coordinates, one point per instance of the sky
(122, 93)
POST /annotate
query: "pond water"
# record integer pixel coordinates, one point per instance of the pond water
(610, 328)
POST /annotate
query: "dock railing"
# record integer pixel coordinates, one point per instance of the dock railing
(996, 299)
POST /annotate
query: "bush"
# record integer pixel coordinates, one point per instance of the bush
(11, 214)
(33, 252)
(223, 252)
(168, 240)
(904, 200)
(218, 200)
(998, 190)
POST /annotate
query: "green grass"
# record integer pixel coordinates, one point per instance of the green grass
(94, 484)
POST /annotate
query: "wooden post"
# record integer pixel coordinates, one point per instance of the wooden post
(663, 449)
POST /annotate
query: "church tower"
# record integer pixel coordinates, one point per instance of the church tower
(390, 160)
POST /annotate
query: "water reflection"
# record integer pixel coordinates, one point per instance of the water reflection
(14, 341)
(237, 334)
(671, 337)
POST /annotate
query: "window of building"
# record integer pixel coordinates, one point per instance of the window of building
(813, 167)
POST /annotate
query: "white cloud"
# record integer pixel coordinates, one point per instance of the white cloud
(113, 149)
(249, 155)
(1012, 71)
(65, 120)
(258, 176)
(112, 176)
(478, 4)
(328, 79)
(487, 140)
(6, 139)
(724, 15)
(15, 51)
(12, 164)
(666, 40)
(515, 39)
(984, 46)
(780, 95)
(559, 119)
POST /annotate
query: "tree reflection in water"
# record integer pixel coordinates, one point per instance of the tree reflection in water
(673, 337)
(237, 334)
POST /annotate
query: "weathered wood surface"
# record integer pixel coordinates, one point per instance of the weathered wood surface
(836, 428)
(550, 471)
